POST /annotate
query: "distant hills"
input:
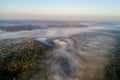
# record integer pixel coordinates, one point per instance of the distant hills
(12, 26)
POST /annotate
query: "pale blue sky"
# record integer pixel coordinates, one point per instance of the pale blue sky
(60, 8)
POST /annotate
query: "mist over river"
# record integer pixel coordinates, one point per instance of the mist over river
(79, 48)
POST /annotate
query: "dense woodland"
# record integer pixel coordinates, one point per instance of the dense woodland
(18, 61)
(113, 69)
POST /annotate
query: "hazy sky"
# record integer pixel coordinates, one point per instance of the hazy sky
(59, 9)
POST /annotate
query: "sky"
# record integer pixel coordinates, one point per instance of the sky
(59, 9)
